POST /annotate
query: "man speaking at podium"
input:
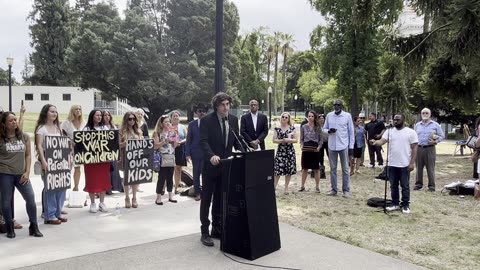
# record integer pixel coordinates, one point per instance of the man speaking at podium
(216, 142)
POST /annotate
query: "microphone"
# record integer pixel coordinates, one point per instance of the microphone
(238, 141)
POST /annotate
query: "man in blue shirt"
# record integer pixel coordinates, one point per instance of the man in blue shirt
(429, 134)
(341, 139)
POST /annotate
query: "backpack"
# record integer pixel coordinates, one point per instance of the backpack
(378, 202)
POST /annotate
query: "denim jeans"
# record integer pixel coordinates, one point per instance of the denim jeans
(53, 202)
(399, 176)
(197, 170)
(333, 158)
(7, 184)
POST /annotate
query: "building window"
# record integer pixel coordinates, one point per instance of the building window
(44, 97)
(67, 97)
(28, 96)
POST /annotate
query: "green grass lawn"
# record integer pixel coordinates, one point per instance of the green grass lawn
(441, 233)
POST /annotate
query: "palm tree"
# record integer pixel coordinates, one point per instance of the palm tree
(277, 36)
(286, 51)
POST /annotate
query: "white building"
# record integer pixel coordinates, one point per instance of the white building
(35, 97)
(409, 23)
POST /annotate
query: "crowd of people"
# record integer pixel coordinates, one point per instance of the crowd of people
(207, 140)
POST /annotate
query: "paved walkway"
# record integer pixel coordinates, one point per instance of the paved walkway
(166, 237)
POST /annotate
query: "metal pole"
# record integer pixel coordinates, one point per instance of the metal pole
(295, 109)
(9, 87)
(219, 47)
(269, 114)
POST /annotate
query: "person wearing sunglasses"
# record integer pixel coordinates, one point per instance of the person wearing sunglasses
(429, 134)
(341, 139)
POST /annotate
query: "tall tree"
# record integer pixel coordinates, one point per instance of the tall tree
(286, 51)
(351, 46)
(51, 35)
(276, 42)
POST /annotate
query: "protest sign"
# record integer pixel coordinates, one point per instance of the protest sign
(57, 155)
(95, 146)
(138, 162)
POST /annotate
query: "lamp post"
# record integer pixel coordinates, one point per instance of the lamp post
(219, 46)
(295, 98)
(263, 101)
(10, 63)
(269, 107)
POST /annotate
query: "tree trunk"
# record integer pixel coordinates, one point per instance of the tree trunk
(283, 80)
(275, 83)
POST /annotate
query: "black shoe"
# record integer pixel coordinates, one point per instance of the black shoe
(109, 192)
(10, 230)
(216, 234)
(302, 189)
(33, 230)
(417, 188)
(431, 189)
(322, 174)
(206, 240)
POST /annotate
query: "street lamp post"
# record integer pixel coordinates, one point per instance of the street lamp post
(263, 101)
(269, 107)
(295, 98)
(10, 63)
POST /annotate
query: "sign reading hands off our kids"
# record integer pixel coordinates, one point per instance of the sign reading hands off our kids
(95, 146)
(57, 155)
(138, 161)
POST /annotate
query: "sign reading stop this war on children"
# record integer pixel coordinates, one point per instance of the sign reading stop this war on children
(58, 158)
(95, 146)
(138, 162)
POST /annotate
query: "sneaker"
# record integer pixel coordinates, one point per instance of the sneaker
(370, 166)
(417, 188)
(102, 207)
(431, 189)
(381, 166)
(346, 195)
(406, 210)
(93, 208)
(392, 208)
(331, 193)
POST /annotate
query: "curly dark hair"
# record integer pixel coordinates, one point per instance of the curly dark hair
(219, 98)
(3, 128)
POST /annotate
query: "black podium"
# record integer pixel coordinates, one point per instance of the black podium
(250, 225)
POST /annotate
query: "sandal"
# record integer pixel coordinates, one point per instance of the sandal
(302, 189)
(127, 203)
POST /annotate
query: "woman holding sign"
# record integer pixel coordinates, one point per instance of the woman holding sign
(73, 123)
(129, 131)
(48, 125)
(15, 160)
(97, 175)
(165, 141)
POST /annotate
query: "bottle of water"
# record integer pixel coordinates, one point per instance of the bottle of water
(117, 210)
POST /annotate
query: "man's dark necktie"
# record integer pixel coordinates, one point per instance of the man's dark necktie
(224, 127)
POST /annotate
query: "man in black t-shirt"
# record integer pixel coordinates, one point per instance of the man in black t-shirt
(375, 131)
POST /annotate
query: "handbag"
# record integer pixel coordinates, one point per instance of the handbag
(471, 141)
(76, 199)
(157, 161)
(168, 160)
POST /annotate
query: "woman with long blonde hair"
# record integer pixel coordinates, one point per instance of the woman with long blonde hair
(129, 130)
(74, 122)
(180, 157)
(285, 159)
(165, 142)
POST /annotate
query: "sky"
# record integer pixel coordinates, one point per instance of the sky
(294, 17)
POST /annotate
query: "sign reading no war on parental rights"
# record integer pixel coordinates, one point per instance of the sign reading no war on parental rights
(138, 161)
(57, 155)
(95, 146)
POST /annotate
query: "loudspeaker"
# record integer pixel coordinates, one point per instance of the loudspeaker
(250, 227)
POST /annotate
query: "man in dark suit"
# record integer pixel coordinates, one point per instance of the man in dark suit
(254, 126)
(192, 147)
(216, 142)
